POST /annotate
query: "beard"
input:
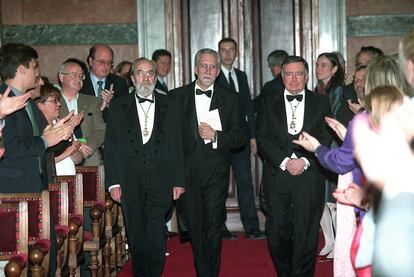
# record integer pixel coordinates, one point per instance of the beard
(145, 88)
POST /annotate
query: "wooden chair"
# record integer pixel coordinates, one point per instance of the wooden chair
(59, 205)
(14, 239)
(94, 201)
(75, 220)
(38, 228)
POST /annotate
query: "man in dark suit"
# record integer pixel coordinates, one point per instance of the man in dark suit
(144, 164)
(274, 60)
(162, 58)
(240, 159)
(293, 183)
(100, 82)
(25, 135)
(350, 106)
(213, 124)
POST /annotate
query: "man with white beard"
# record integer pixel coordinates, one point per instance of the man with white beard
(144, 164)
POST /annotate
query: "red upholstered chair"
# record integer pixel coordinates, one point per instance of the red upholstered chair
(38, 227)
(75, 220)
(14, 238)
(59, 206)
(94, 200)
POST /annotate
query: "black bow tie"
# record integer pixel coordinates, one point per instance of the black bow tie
(298, 97)
(207, 92)
(141, 100)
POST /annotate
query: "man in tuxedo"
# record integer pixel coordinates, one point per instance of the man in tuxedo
(100, 82)
(92, 127)
(162, 58)
(293, 183)
(240, 160)
(25, 134)
(144, 164)
(208, 140)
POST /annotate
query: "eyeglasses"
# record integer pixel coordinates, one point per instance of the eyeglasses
(296, 74)
(74, 75)
(102, 62)
(54, 101)
(142, 73)
(206, 67)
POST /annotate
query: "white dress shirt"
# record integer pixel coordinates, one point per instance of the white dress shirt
(202, 103)
(146, 109)
(233, 76)
(298, 108)
(72, 104)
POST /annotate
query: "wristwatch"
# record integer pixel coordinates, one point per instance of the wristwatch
(214, 139)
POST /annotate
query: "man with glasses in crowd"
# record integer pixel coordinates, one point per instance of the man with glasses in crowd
(213, 125)
(293, 184)
(92, 129)
(144, 164)
(100, 82)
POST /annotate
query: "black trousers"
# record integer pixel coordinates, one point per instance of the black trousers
(204, 208)
(144, 208)
(295, 206)
(240, 161)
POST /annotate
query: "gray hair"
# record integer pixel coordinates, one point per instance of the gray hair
(141, 60)
(206, 51)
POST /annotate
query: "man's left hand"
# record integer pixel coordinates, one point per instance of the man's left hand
(205, 131)
(295, 166)
(177, 191)
(107, 95)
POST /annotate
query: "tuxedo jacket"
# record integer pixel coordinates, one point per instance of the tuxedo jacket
(120, 88)
(23, 167)
(124, 149)
(92, 125)
(272, 87)
(232, 135)
(246, 103)
(273, 141)
(158, 85)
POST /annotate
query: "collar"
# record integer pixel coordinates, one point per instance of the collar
(209, 88)
(15, 91)
(226, 71)
(161, 79)
(95, 79)
(67, 99)
(286, 92)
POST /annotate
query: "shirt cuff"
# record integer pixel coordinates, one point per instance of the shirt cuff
(307, 163)
(282, 166)
(114, 186)
(45, 141)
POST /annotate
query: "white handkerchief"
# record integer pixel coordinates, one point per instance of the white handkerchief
(212, 118)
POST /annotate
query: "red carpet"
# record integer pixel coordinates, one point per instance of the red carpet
(240, 258)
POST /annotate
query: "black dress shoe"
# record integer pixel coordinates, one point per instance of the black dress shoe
(184, 237)
(229, 236)
(255, 235)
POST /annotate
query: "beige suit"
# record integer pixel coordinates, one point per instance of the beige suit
(92, 125)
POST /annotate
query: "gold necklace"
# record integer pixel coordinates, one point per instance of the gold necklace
(145, 132)
(292, 124)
